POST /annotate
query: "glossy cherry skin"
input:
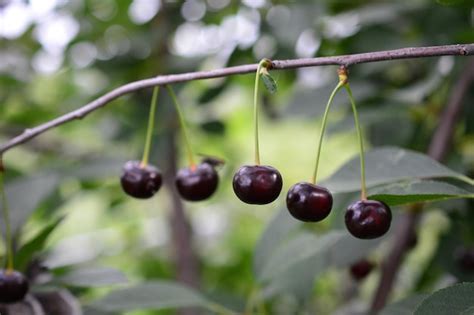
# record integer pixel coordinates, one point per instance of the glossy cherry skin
(361, 269)
(13, 286)
(368, 219)
(140, 181)
(257, 184)
(308, 202)
(197, 183)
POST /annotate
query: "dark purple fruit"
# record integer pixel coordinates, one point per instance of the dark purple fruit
(367, 219)
(197, 183)
(140, 181)
(13, 286)
(257, 184)
(361, 269)
(465, 258)
(308, 202)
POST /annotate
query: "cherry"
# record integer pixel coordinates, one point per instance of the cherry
(361, 269)
(257, 184)
(197, 183)
(140, 181)
(367, 219)
(465, 258)
(309, 202)
(13, 286)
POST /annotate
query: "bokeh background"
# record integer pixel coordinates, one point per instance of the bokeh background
(58, 55)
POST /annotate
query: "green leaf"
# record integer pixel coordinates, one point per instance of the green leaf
(276, 232)
(93, 277)
(24, 195)
(333, 249)
(269, 82)
(35, 245)
(388, 165)
(417, 191)
(405, 306)
(457, 299)
(152, 295)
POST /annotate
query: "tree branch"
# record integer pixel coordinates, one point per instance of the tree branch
(344, 60)
(439, 145)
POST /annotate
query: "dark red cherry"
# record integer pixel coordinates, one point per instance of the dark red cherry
(13, 286)
(465, 258)
(257, 184)
(140, 181)
(367, 219)
(361, 269)
(197, 183)
(308, 202)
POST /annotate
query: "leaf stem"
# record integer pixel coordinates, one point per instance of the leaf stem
(323, 129)
(6, 218)
(363, 190)
(263, 64)
(151, 123)
(182, 122)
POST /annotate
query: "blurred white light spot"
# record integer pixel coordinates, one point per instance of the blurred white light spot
(116, 40)
(210, 223)
(314, 77)
(445, 64)
(218, 4)
(278, 15)
(103, 10)
(14, 20)
(90, 81)
(83, 54)
(193, 10)
(247, 28)
(46, 62)
(142, 11)
(56, 32)
(307, 44)
(155, 232)
(41, 9)
(265, 47)
(254, 3)
(342, 25)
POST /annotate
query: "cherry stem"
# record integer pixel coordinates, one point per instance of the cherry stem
(6, 218)
(151, 124)
(182, 123)
(264, 63)
(363, 190)
(323, 128)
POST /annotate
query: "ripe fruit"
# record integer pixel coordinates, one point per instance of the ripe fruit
(140, 181)
(197, 183)
(13, 286)
(257, 184)
(367, 219)
(465, 258)
(309, 202)
(361, 269)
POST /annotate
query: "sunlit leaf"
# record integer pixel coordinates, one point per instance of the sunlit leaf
(418, 191)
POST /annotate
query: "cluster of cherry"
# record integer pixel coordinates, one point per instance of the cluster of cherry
(262, 184)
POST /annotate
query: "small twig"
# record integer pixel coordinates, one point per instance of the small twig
(344, 60)
(439, 145)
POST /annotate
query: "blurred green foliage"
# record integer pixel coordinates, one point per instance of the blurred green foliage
(71, 52)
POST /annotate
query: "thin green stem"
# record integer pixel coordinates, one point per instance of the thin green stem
(323, 129)
(6, 219)
(263, 64)
(363, 190)
(151, 124)
(182, 122)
